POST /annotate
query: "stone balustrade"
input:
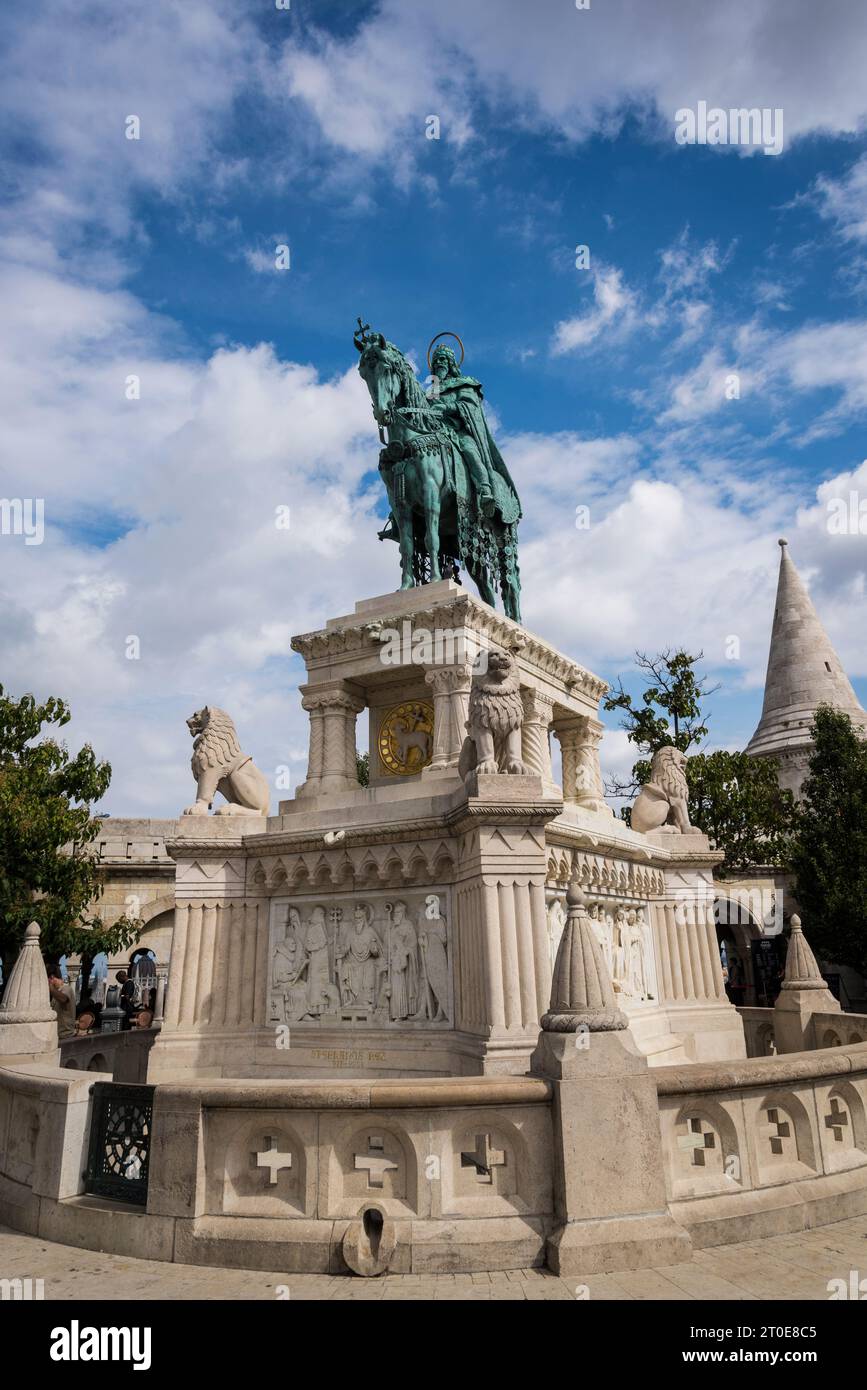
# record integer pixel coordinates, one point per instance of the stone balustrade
(429, 1174)
(766, 1145)
(822, 1030)
(454, 1172)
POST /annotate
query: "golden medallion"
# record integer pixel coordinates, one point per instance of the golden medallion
(406, 737)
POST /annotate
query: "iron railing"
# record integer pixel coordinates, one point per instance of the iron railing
(120, 1141)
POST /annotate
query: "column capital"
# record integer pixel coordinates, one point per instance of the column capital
(331, 695)
(448, 680)
(538, 707)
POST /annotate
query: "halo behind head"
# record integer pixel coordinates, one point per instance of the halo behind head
(436, 340)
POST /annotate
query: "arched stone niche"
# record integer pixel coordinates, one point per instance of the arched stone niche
(373, 1159)
(783, 1138)
(706, 1151)
(264, 1169)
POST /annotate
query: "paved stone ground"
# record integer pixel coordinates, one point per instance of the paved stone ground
(795, 1267)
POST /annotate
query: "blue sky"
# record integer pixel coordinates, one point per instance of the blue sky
(606, 385)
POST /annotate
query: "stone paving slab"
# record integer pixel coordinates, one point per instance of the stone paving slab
(788, 1267)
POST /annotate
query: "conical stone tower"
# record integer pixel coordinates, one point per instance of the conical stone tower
(804, 672)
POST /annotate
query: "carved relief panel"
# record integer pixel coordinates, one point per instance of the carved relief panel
(624, 932)
(378, 959)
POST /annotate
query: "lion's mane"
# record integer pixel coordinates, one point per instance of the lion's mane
(495, 699)
(217, 745)
(666, 771)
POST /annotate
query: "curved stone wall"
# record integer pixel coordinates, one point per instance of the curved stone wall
(768, 1145)
(432, 1174)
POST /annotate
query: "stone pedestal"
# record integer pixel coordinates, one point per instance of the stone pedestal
(447, 895)
(609, 1178)
(402, 928)
(691, 989)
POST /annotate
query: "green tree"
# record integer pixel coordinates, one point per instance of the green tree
(738, 802)
(362, 767)
(829, 858)
(48, 870)
(733, 798)
(669, 711)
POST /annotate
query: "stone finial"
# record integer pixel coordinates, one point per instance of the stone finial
(27, 999)
(802, 971)
(582, 995)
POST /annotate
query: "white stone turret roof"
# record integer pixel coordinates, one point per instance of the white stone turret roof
(804, 671)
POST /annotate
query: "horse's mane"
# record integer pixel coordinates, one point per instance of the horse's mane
(415, 396)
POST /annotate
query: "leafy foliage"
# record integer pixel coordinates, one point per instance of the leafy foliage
(362, 767)
(738, 802)
(669, 711)
(48, 870)
(733, 798)
(830, 854)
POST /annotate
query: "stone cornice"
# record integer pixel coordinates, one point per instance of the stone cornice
(188, 848)
(123, 868)
(494, 812)
(458, 612)
(577, 837)
(307, 842)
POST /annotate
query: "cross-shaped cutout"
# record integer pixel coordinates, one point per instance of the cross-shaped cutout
(698, 1139)
(837, 1120)
(484, 1159)
(374, 1162)
(776, 1131)
(272, 1159)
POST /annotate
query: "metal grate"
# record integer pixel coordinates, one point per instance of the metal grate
(120, 1142)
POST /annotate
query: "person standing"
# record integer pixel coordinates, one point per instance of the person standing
(62, 1002)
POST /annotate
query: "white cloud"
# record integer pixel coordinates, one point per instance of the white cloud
(615, 310)
(551, 66)
(686, 267)
(71, 76)
(187, 480)
(844, 201)
(751, 362)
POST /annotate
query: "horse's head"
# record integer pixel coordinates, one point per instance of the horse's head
(380, 368)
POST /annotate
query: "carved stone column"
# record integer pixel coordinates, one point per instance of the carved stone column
(333, 710)
(451, 693)
(535, 742)
(160, 1002)
(580, 737)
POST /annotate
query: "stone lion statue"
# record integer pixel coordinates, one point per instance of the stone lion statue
(663, 800)
(495, 716)
(219, 766)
